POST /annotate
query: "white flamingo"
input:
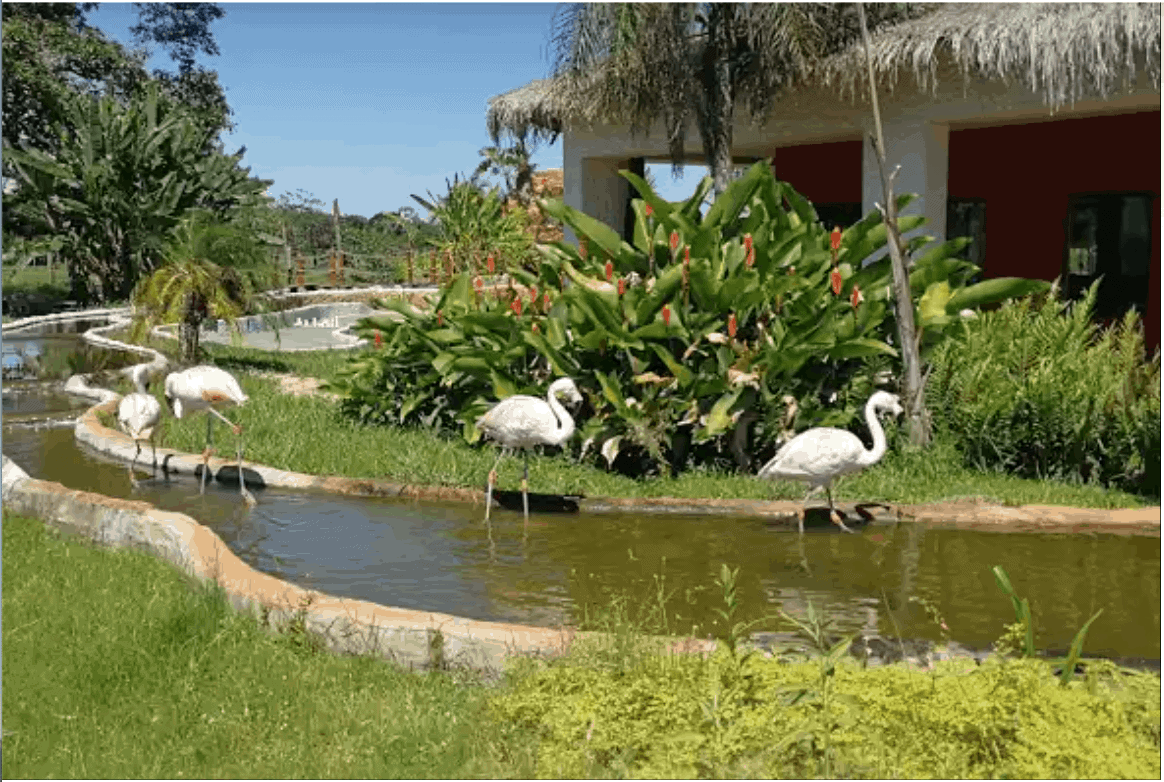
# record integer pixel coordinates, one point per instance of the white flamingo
(208, 388)
(820, 456)
(138, 414)
(524, 422)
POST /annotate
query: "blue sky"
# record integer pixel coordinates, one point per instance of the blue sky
(370, 102)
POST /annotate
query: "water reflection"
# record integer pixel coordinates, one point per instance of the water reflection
(442, 557)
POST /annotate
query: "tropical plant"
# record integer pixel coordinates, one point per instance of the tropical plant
(120, 183)
(1038, 390)
(682, 339)
(212, 270)
(474, 226)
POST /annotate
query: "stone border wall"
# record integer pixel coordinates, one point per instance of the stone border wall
(414, 639)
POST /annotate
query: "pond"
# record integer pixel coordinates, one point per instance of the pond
(561, 569)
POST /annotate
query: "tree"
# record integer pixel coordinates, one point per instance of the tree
(211, 270)
(120, 181)
(183, 30)
(677, 62)
(513, 165)
(913, 386)
(49, 55)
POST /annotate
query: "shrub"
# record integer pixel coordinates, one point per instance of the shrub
(1036, 389)
(673, 718)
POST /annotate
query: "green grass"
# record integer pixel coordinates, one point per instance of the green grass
(301, 433)
(114, 666)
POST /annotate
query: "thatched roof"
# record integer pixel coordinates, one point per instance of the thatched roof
(1062, 51)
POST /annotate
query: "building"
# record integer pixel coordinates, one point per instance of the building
(1032, 128)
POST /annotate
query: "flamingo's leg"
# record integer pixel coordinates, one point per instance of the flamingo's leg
(154, 448)
(206, 454)
(836, 517)
(492, 479)
(242, 483)
(525, 489)
(133, 463)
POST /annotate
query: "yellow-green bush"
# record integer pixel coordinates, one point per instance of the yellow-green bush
(673, 717)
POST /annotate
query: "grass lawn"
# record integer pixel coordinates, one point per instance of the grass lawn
(299, 434)
(114, 666)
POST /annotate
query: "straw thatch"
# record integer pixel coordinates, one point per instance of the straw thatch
(1063, 51)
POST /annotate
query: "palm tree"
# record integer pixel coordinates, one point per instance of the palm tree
(211, 269)
(513, 165)
(677, 62)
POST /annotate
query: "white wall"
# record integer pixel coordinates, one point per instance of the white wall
(917, 130)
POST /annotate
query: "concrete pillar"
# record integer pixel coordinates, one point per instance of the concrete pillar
(922, 149)
(594, 186)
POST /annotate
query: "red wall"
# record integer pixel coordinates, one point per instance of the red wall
(1026, 172)
(822, 173)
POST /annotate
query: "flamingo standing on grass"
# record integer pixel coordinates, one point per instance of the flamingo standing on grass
(208, 388)
(820, 456)
(138, 414)
(525, 422)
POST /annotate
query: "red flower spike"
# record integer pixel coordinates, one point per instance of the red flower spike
(489, 264)
(748, 242)
(666, 316)
(478, 283)
(622, 286)
(650, 210)
(732, 325)
(546, 301)
(533, 295)
(835, 238)
(835, 279)
(534, 328)
(674, 241)
(857, 297)
(751, 259)
(609, 271)
(379, 340)
(440, 318)
(516, 307)
(686, 255)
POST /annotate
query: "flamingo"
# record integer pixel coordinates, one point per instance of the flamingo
(524, 422)
(137, 415)
(821, 455)
(208, 388)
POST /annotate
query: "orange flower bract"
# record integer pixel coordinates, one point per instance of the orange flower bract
(835, 279)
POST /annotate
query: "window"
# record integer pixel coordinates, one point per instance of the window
(840, 213)
(967, 217)
(1109, 235)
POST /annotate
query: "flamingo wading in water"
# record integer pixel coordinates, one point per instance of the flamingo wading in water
(820, 456)
(138, 414)
(524, 422)
(208, 388)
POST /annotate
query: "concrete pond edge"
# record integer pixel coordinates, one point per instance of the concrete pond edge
(973, 513)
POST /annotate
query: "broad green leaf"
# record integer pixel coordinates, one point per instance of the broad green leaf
(932, 304)
(719, 418)
(997, 289)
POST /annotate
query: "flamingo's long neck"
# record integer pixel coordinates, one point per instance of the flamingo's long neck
(139, 383)
(565, 421)
(879, 444)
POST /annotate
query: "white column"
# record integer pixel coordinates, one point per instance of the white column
(593, 186)
(922, 149)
